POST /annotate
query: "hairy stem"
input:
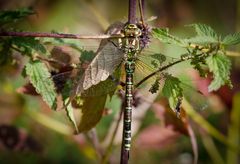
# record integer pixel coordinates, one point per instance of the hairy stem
(124, 156)
(165, 67)
(157, 71)
(56, 35)
(141, 9)
(132, 11)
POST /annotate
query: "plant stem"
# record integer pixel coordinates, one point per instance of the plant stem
(124, 156)
(132, 11)
(56, 35)
(157, 71)
(164, 68)
(141, 9)
(143, 5)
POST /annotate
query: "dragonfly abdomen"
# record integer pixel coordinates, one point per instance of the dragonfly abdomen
(129, 68)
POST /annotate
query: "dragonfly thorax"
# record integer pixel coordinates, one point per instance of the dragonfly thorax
(130, 43)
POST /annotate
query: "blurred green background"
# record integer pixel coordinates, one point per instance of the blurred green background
(45, 136)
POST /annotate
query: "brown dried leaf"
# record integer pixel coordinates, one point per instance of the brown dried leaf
(169, 118)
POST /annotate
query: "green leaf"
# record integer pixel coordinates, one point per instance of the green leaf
(202, 40)
(40, 79)
(94, 103)
(220, 66)
(70, 115)
(14, 15)
(163, 35)
(205, 30)
(160, 58)
(92, 111)
(172, 90)
(198, 63)
(232, 39)
(28, 45)
(67, 89)
(155, 86)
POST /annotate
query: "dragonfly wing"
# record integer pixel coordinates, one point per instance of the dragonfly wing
(103, 65)
(107, 58)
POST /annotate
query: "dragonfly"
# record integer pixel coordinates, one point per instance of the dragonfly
(124, 51)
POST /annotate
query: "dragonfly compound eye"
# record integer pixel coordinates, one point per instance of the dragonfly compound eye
(131, 30)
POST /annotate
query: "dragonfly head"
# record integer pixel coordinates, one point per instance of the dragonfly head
(132, 30)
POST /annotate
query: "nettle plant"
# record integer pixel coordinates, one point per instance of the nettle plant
(49, 75)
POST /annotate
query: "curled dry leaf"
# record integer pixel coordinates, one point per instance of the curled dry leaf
(169, 118)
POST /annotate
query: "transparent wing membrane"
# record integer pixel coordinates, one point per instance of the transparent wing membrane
(149, 62)
(103, 65)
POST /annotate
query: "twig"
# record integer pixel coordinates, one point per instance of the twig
(165, 67)
(143, 6)
(141, 9)
(157, 71)
(57, 35)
